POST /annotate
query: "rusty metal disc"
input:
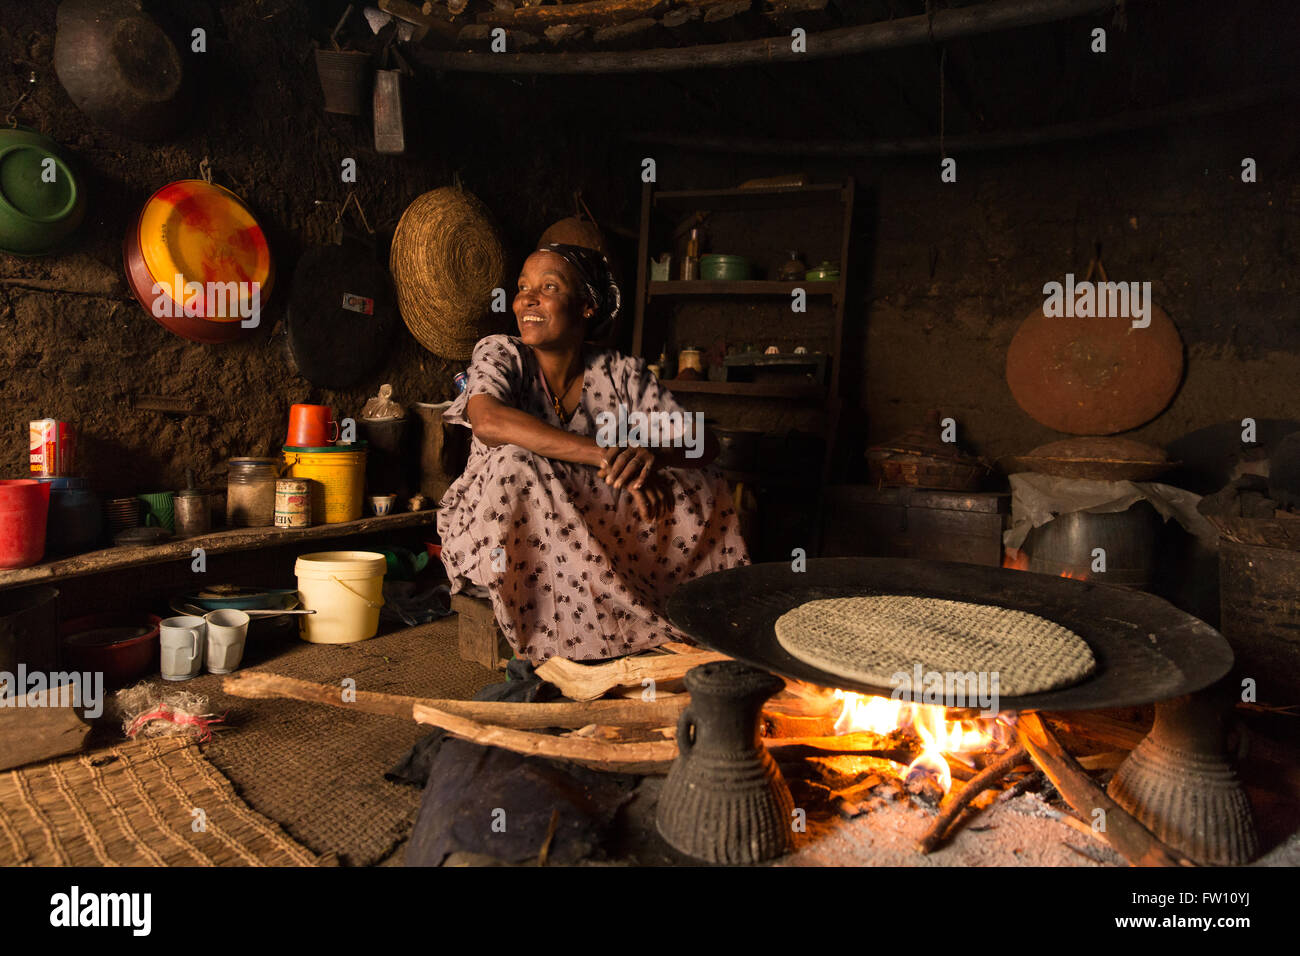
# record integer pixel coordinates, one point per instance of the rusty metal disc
(1094, 376)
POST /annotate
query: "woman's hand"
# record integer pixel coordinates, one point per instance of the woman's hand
(651, 497)
(627, 466)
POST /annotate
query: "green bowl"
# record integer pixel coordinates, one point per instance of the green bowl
(826, 272)
(725, 268)
(41, 201)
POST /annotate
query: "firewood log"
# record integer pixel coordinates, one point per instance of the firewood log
(589, 681)
(662, 711)
(646, 758)
(1125, 834)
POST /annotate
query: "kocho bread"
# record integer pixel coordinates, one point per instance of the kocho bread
(873, 639)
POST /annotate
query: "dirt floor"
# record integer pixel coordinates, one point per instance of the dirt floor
(318, 772)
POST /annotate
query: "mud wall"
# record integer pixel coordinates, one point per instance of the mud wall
(941, 274)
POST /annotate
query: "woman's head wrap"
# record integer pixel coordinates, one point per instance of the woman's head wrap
(596, 283)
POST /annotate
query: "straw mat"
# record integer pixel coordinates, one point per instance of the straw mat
(133, 805)
(319, 771)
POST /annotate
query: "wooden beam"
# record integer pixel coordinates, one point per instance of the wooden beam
(883, 35)
(971, 142)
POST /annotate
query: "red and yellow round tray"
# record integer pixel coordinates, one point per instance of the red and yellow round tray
(198, 261)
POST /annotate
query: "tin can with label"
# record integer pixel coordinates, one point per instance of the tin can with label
(52, 446)
(462, 381)
(293, 503)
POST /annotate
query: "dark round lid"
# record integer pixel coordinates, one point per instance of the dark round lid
(342, 315)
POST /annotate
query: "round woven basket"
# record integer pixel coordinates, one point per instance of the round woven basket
(446, 260)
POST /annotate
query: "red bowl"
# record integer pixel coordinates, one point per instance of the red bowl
(121, 661)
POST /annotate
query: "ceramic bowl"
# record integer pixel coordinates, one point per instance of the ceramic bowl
(41, 199)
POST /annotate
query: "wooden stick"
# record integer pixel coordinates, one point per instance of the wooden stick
(986, 778)
(1125, 834)
(589, 681)
(647, 758)
(845, 743)
(601, 12)
(662, 711)
(1105, 730)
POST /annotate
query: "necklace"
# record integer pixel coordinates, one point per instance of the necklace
(556, 401)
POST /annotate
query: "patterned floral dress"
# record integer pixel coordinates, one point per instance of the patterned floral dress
(571, 568)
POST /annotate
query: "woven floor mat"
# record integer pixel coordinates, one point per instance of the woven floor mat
(319, 771)
(135, 805)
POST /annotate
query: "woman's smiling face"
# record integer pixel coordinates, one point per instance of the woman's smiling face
(549, 306)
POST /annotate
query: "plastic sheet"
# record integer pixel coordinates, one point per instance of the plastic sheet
(1037, 499)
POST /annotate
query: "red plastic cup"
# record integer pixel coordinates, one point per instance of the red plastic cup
(24, 508)
(309, 426)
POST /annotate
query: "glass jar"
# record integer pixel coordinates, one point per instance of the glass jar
(250, 492)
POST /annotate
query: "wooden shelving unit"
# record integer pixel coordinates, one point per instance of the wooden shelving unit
(830, 200)
(216, 542)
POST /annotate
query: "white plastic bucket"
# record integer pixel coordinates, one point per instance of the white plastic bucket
(346, 590)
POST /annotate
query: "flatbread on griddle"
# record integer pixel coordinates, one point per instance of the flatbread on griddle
(873, 639)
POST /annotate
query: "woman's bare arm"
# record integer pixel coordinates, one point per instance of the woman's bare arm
(495, 423)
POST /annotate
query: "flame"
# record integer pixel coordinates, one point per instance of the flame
(1019, 561)
(1016, 560)
(940, 738)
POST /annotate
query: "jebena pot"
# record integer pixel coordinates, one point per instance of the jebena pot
(725, 800)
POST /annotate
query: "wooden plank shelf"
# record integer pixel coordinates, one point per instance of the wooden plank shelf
(216, 542)
(768, 287)
(809, 390)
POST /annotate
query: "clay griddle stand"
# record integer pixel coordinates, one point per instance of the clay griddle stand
(1178, 784)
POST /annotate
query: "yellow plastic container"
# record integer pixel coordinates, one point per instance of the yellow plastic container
(340, 476)
(346, 590)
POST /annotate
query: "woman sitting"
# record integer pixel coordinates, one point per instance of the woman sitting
(578, 540)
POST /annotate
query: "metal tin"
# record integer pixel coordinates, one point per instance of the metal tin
(462, 381)
(193, 513)
(52, 445)
(293, 503)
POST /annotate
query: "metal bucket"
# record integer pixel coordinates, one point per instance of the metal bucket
(1065, 546)
(344, 79)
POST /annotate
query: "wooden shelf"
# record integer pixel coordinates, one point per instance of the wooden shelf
(767, 287)
(786, 197)
(216, 542)
(756, 389)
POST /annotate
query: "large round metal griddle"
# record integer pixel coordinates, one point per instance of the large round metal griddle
(1147, 650)
(1094, 376)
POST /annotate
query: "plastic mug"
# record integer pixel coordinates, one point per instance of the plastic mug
(159, 509)
(309, 426)
(227, 634)
(183, 641)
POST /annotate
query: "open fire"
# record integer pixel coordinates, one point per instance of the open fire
(941, 738)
